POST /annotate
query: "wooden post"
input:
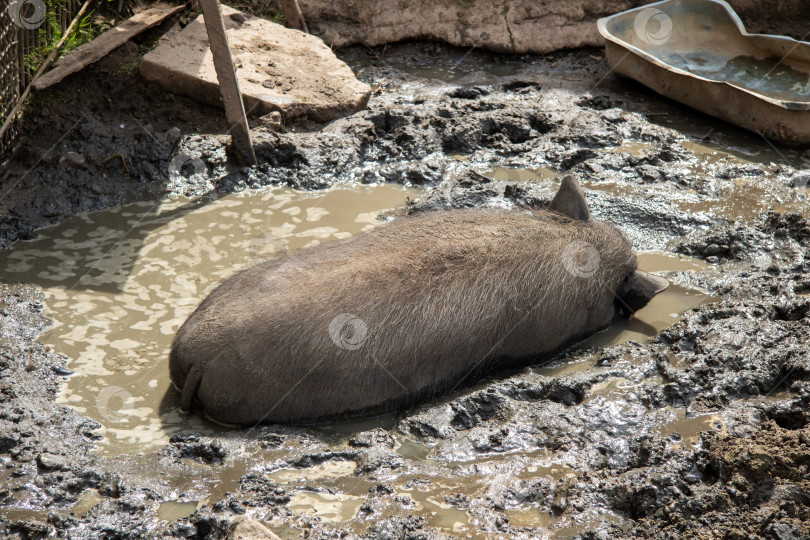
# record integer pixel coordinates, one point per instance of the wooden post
(292, 12)
(228, 84)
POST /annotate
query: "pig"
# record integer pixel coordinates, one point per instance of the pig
(405, 312)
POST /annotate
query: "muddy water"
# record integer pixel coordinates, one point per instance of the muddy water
(739, 198)
(520, 175)
(174, 510)
(664, 310)
(119, 283)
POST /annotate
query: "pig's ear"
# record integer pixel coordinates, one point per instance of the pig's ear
(570, 200)
(636, 290)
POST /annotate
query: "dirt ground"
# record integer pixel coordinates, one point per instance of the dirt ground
(737, 367)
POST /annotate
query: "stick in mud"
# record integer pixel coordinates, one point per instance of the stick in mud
(228, 83)
(292, 12)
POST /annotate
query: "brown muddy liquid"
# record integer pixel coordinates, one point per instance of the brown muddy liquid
(683, 430)
(119, 283)
(665, 308)
(174, 510)
(741, 198)
(511, 174)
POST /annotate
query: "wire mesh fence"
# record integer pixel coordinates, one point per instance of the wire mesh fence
(27, 29)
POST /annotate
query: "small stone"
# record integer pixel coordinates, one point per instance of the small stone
(237, 508)
(173, 135)
(51, 208)
(9, 441)
(51, 461)
(800, 180)
(271, 121)
(712, 249)
(61, 370)
(72, 159)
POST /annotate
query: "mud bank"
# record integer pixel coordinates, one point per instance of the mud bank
(696, 427)
(511, 27)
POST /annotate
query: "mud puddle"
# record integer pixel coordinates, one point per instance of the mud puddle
(174, 510)
(119, 283)
(719, 182)
(664, 310)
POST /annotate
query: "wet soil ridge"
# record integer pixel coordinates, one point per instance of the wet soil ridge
(132, 149)
(701, 430)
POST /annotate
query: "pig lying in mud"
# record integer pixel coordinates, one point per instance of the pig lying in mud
(404, 312)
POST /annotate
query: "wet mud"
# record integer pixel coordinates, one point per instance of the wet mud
(688, 420)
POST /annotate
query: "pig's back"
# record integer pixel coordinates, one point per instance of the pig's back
(436, 294)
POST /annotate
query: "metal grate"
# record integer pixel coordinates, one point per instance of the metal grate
(21, 36)
(10, 71)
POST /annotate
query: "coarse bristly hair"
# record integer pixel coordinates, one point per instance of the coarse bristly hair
(438, 296)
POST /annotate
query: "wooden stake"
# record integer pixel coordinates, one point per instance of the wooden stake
(292, 12)
(228, 83)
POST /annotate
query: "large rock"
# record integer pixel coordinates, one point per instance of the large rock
(279, 69)
(512, 26)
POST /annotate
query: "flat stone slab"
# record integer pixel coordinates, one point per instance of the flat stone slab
(279, 69)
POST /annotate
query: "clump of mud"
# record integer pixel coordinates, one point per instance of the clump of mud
(694, 426)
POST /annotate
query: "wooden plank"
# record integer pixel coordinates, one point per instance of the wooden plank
(228, 83)
(292, 12)
(97, 49)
